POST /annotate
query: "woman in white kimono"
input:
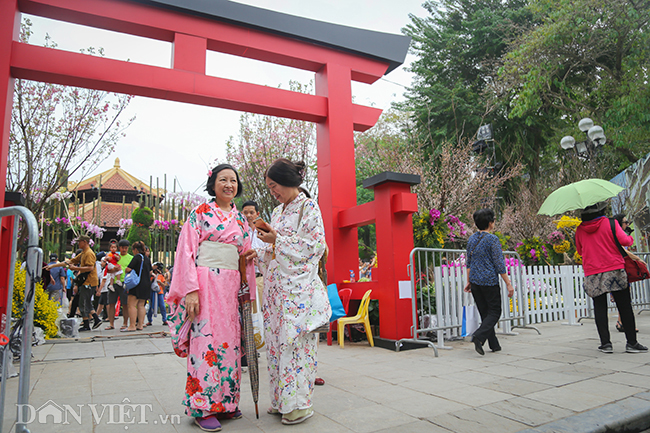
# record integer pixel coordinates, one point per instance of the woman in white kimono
(295, 299)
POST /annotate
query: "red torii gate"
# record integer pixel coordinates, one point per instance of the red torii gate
(336, 54)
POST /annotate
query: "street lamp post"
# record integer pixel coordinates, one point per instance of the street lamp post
(590, 147)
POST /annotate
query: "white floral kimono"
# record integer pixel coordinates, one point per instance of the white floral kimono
(295, 302)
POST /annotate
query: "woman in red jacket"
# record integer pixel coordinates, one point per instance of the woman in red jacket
(604, 269)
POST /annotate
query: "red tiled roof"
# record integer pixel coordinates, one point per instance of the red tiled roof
(117, 182)
(110, 214)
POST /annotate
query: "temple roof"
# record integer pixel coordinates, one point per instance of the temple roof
(114, 179)
(386, 47)
(108, 216)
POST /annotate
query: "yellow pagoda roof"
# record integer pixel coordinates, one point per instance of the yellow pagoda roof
(114, 179)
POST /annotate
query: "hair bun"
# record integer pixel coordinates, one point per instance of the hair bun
(300, 167)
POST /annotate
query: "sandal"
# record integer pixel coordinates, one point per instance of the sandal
(619, 327)
(272, 411)
(108, 328)
(297, 416)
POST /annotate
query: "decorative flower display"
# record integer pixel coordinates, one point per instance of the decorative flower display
(125, 225)
(562, 247)
(532, 251)
(165, 225)
(556, 238)
(435, 228)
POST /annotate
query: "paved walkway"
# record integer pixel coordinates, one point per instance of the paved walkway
(557, 381)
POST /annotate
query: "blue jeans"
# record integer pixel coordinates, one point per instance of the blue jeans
(160, 299)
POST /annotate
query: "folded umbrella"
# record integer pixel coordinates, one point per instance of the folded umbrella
(578, 195)
(248, 332)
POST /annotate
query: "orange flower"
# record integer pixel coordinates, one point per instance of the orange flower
(193, 386)
(211, 358)
(203, 208)
(217, 408)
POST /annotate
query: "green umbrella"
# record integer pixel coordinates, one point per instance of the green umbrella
(578, 195)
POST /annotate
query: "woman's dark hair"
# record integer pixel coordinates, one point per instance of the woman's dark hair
(592, 216)
(594, 211)
(483, 218)
(287, 173)
(209, 185)
(139, 245)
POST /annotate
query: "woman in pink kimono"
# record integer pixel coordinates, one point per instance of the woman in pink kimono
(295, 299)
(206, 282)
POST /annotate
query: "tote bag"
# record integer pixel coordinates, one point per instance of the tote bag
(471, 320)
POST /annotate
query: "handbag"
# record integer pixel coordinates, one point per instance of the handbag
(325, 327)
(80, 279)
(133, 279)
(471, 318)
(635, 270)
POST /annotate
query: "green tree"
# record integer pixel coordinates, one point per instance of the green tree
(455, 90)
(587, 58)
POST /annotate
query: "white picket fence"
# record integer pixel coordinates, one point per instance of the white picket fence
(542, 294)
(556, 293)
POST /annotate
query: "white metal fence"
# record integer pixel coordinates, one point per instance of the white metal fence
(542, 294)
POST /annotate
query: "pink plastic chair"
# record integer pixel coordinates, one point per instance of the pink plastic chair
(345, 295)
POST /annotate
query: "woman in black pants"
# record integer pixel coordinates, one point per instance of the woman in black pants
(484, 265)
(604, 269)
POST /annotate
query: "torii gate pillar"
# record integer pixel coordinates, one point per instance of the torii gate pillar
(391, 211)
(336, 169)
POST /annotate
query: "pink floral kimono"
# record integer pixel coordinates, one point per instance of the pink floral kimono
(213, 361)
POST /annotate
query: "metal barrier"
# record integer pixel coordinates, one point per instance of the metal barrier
(438, 277)
(33, 274)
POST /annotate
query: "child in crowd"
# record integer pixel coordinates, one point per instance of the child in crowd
(111, 260)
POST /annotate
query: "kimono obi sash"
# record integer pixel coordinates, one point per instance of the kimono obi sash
(218, 255)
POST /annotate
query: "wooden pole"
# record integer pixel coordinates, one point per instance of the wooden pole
(99, 202)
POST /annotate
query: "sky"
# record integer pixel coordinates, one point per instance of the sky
(183, 140)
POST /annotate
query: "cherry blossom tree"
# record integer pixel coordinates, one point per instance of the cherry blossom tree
(263, 139)
(59, 131)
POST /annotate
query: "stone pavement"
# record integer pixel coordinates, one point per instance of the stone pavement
(554, 382)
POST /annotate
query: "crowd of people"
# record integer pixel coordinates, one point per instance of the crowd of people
(93, 285)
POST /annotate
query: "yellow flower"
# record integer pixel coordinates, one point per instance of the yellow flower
(577, 258)
(563, 247)
(45, 311)
(567, 222)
